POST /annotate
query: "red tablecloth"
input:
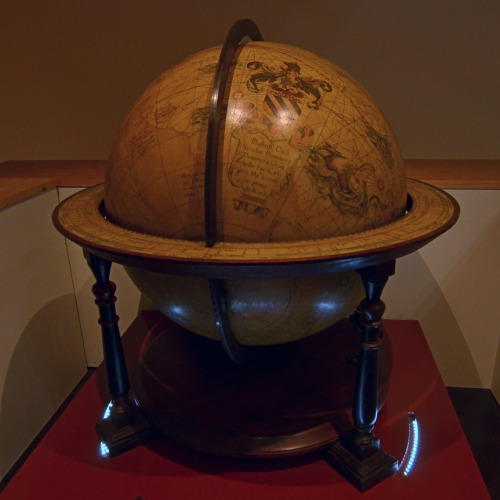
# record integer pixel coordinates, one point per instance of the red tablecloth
(67, 465)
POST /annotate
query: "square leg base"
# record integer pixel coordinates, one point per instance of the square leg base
(119, 437)
(363, 474)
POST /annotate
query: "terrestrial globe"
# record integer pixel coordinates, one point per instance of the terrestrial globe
(304, 154)
(246, 189)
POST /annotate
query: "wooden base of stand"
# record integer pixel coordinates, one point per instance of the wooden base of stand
(119, 437)
(293, 399)
(363, 474)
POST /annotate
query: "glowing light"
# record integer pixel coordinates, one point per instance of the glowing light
(107, 411)
(284, 117)
(177, 310)
(410, 455)
(104, 450)
(325, 306)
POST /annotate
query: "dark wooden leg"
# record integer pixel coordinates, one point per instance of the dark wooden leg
(358, 456)
(125, 427)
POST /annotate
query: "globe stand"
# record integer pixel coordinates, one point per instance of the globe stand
(371, 252)
(125, 427)
(236, 352)
(357, 455)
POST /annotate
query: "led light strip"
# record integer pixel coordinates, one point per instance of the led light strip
(410, 455)
(103, 448)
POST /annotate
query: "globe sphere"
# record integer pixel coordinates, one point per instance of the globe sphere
(305, 154)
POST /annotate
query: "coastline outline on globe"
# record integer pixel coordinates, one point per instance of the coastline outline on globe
(307, 164)
(305, 154)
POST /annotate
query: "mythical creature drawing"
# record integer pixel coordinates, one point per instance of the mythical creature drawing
(288, 83)
(342, 181)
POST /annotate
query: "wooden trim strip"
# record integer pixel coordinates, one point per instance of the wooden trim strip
(456, 174)
(69, 173)
(15, 190)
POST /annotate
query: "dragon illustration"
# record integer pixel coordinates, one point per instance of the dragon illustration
(341, 181)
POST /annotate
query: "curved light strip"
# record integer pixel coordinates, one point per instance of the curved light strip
(103, 447)
(107, 411)
(410, 455)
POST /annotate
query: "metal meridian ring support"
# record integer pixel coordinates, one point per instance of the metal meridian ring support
(240, 30)
(236, 352)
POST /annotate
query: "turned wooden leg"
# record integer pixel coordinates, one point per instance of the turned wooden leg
(358, 455)
(125, 427)
(369, 318)
(116, 369)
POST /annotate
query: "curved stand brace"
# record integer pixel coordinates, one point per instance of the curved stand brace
(244, 28)
(240, 30)
(236, 352)
(125, 427)
(358, 456)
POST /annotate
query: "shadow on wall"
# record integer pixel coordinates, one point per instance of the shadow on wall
(413, 293)
(466, 268)
(475, 289)
(46, 364)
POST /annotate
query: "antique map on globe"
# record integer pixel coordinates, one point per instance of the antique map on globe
(308, 172)
(260, 244)
(306, 152)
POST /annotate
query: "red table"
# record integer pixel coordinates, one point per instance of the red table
(67, 465)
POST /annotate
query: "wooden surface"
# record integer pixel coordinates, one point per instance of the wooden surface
(42, 174)
(69, 173)
(66, 464)
(194, 393)
(20, 180)
(17, 189)
(456, 174)
(431, 213)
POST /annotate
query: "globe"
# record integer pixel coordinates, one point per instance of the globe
(244, 189)
(304, 154)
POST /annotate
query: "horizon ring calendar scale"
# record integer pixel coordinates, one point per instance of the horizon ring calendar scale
(256, 194)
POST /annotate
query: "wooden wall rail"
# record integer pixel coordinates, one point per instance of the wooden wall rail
(69, 173)
(21, 179)
(456, 174)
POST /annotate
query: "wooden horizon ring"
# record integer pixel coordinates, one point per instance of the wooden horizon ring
(431, 211)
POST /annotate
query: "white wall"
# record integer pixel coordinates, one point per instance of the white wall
(452, 287)
(49, 333)
(41, 349)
